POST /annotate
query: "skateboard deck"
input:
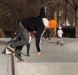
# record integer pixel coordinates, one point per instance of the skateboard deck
(11, 50)
(7, 51)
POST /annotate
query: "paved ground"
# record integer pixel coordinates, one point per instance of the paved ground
(5, 60)
(54, 60)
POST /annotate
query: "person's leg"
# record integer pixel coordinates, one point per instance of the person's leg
(48, 35)
(24, 34)
(13, 45)
(17, 43)
(61, 41)
(18, 53)
(24, 37)
(44, 36)
(58, 41)
(18, 50)
(28, 48)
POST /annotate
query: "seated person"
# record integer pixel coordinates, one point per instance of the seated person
(16, 37)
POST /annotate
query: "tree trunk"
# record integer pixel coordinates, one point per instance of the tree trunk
(55, 17)
(76, 23)
(1, 34)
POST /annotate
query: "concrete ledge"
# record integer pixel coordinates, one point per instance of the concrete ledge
(4, 41)
(5, 64)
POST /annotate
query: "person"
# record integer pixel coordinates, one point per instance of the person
(59, 34)
(26, 25)
(47, 34)
(16, 37)
(13, 37)
(28, 45)
(18, 49)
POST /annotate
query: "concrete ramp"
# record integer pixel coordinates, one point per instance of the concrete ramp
(46, 68)
(54, 60)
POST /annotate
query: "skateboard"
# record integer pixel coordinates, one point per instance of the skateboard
(7, 51)
(12, 51)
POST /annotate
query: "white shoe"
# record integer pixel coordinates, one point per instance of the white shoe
(44, 39)
(10, 49)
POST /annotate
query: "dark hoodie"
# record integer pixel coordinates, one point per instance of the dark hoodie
(35, 23)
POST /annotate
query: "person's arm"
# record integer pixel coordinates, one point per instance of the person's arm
(15, 38)
(62, 32)
(38, 36)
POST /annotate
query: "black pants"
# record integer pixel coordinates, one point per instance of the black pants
(28, 48)
(24, 37)
(47, 35)
(18, 50)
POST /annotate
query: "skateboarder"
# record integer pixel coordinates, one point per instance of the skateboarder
(30, 24)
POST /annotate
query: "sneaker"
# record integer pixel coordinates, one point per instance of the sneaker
(18, 61)
(28, 55)
(44, 39)
(58, 42)
(10, 49)
(61, 44)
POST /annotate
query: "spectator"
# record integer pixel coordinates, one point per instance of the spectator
(28, 46)
(47, 34)
(59, 34)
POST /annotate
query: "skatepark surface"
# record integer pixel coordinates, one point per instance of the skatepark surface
(54, 60)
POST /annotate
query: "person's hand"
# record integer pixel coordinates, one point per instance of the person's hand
(39, 53)
(31, 41)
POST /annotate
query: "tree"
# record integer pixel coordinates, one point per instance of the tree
(12, 11)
